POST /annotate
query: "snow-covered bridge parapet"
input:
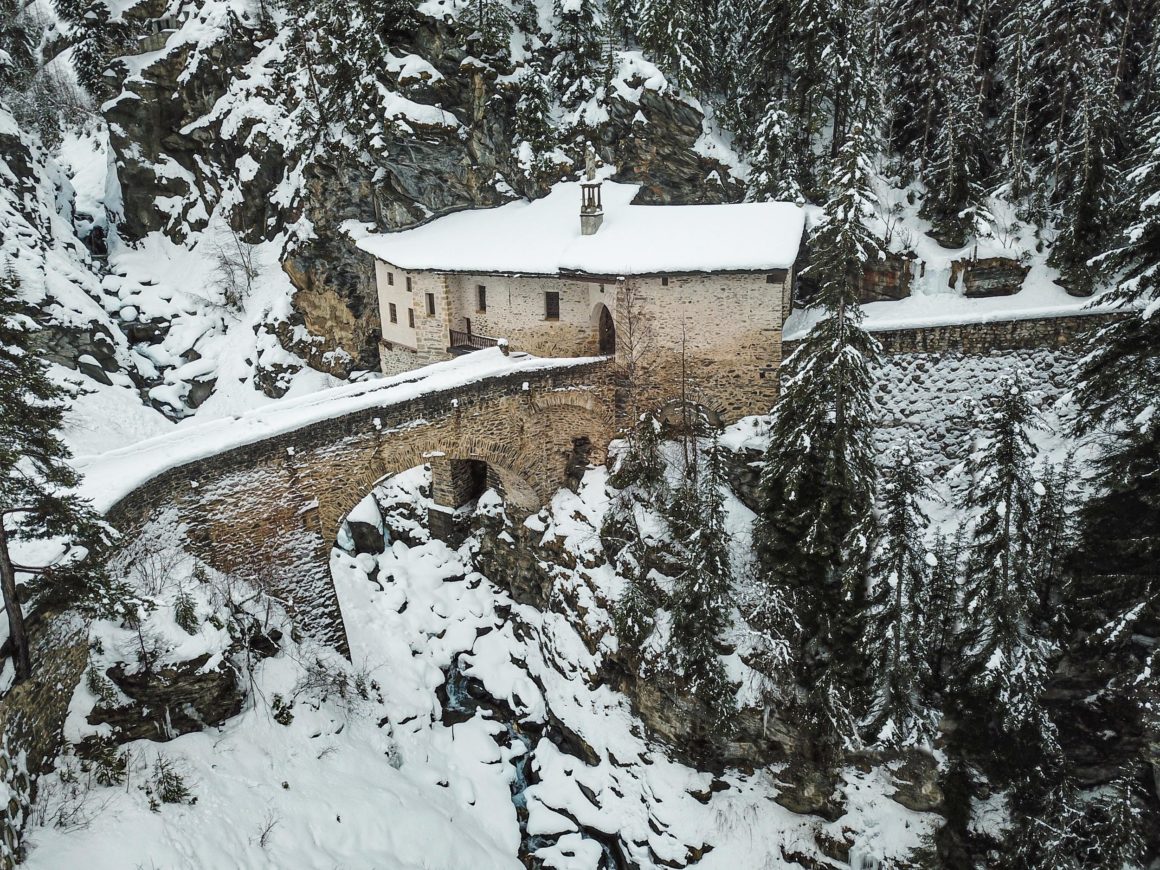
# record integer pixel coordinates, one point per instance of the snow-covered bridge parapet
(262, 496)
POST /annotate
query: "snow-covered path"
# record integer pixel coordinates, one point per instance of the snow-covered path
(110, 476)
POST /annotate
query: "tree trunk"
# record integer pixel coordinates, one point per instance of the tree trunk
(16, 631)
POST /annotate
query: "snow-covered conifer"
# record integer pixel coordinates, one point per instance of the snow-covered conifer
(36, 481)
(895, 631)
(815, 530)
(775, 173)
(940, 604)
(700, 605)
(677, 35)
(575, 70)
(1006, 657)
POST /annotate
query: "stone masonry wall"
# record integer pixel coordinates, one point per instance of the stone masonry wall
(720, 333)
(32, 715)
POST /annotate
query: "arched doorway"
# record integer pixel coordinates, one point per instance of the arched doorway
(606, 331)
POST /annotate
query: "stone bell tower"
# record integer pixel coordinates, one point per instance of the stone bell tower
(591, 208)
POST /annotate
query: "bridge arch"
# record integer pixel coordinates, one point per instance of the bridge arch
(274, 504)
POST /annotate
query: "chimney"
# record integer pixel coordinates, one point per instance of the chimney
(591, 208)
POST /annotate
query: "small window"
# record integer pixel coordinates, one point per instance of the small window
(552, 305)
(394, 313)
(430, 304)
(411, 317)
(664, 282)
(481, 295)
(390, 279)
(408, 283)
(770, 279)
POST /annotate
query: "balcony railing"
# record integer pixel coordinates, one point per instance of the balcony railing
(469, 341)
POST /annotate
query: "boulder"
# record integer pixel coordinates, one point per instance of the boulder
(170, 701)
(989, 276)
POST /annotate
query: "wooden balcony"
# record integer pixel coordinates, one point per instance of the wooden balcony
(465, 342)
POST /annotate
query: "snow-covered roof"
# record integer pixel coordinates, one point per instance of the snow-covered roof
(543, 237)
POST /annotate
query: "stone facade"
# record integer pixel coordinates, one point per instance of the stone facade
(270, 511)
(728, 326)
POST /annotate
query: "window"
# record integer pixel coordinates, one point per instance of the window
(481, 295)
(390, 279)
(769, 279)
(552, 305)
(430, 304)
(408, 283)
(664, 282)
(394, 313)
(411, 317)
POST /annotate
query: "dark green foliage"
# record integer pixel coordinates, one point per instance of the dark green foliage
(535, 133)
(281, 710)
(1054, 529)
(775, 171)
(489, 27)
(341, 50)
(107, 763)
(951, 164)
(167, 786)
(17, 58)
(816, 526)
(641, 464)
(700, 606)
(676, 35)
(1006, 655)
(95, 39)
(939, 601)
(1061, 827)
(639, 476)
(575, 71)
(893, 641)
(185, 613)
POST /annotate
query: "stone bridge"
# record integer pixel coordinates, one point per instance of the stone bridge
(269, 510)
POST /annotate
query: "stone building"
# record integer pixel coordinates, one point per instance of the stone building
(691, 299)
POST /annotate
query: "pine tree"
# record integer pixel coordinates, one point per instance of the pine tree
(826, 69)
(762, 76)
(816, 527)
(921, 39)
(535, 134)
(640, 477)
(1015, 35)
(94, 38)
(895, 623)
(490, 26)
(700, 602)
(17, 58)
(676, 34)
(775, 174)
(952, 174)
(1117, 596)
(574, 73)
(940, 604)
(36, 480)
(1054, 529)
(1084, 175)
(1006, 657)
